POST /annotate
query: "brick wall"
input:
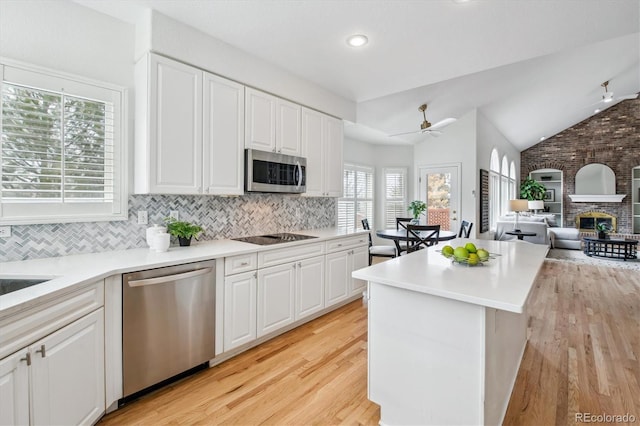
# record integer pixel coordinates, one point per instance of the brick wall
(611, 137)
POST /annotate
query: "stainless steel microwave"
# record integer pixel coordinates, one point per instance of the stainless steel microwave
(272, 172)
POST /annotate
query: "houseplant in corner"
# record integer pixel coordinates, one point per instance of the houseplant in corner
(532, 190)
(417, 208)
(183, 230)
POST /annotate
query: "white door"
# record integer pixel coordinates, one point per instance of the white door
(275, 297)
(336, 284)
(313, 151)
(288, 131)
(239, 309)
(14, 389)
(67, 373)
(176, 127)
(223, 136)
(309, 286)
(260, 120)
(334, 136)
(359, 260)
(440, 189)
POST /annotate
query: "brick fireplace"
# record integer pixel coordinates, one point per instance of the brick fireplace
(587, 221)
(611, 137)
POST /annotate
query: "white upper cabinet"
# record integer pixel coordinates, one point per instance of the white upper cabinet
(272, 124)
(223, 133)
(168, 152)
(189, 130)
(322, 141)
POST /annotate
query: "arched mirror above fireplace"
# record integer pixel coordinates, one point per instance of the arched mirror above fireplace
(596, 183)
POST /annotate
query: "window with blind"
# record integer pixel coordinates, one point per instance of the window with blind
(357, 202)
(62, 158)
(395, 203)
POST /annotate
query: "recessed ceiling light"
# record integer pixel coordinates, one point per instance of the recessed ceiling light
(357, 40)
(596, 111)
(542, 138)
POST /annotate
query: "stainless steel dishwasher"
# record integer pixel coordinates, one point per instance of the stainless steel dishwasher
(168, 323)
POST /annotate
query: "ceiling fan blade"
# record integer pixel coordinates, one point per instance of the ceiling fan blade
(406, 133)
(441, 124)
(623, 98)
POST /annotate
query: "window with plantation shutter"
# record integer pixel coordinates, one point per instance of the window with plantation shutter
(395, 196)
(62, 158)
(357, 201)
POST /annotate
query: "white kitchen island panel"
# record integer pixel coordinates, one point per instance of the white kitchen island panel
(446, 340)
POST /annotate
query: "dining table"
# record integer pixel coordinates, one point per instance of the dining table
(398, 235)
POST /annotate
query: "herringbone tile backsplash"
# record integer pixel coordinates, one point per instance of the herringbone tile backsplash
(221, 217)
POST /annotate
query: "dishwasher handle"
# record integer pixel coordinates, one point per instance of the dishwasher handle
(168, 278)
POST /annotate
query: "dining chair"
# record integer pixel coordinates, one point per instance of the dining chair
(401, 223)
(379, 251)
(465, 229)
(422, 235)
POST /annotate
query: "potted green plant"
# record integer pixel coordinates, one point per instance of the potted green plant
(603, 229)
(532, 190)
(417, 208)
(184, 231)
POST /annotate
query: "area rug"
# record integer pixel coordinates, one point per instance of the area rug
(578, 256)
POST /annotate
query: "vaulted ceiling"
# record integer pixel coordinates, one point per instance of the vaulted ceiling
(532, 67)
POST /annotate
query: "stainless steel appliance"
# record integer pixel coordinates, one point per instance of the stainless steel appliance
(168, 322)
(272, 172)
(264, 240)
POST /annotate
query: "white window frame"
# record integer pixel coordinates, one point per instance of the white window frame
(494, 189)
(403, 200)
(38, 211)
(356, 224)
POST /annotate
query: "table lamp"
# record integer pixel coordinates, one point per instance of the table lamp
(518, 206)
(536, 205)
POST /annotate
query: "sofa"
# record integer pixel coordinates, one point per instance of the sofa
(547, 232)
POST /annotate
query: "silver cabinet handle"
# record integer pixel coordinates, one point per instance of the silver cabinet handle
(299, 264)
(42, 350)
(244, 263)
(27, 358)
(294, 266)
(339, 245)
(255, 275)
(167, 278)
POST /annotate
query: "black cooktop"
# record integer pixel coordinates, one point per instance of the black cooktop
(264, 240)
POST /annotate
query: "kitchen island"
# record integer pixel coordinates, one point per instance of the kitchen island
(446, 340)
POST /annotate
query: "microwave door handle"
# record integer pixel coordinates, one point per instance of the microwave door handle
(299, 179)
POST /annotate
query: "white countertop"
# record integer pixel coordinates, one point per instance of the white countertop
(73, 271)
(502, 283)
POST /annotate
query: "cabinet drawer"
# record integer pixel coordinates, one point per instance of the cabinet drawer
(347, 243)
(240, 263)
(278, 256)
(20, 330)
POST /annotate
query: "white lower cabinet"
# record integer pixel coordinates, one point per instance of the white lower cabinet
(59, 379)
(339, 283)
(309, 287)
(240, 309)
(276, 286)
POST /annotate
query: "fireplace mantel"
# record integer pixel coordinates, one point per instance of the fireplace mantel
(597, 198)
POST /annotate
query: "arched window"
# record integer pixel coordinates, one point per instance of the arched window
(494, 188)
(504, 186)
(513, 189)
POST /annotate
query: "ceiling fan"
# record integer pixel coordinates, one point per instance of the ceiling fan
(608, 96)
(426, 127)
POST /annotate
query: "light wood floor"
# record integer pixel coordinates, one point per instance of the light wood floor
(582, 356)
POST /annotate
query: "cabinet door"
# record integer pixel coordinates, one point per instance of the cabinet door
(313, 151)
(309, 286)
(288, 131)
(175, 133)
(359, 260)
(14, 389)
(67, 378)
(239, 309)
(333, 151)
(336, 285)
(223, 136)
(275, 297)
(260, 129)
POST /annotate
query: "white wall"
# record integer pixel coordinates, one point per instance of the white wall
(201, 50)
(456, 144)
(380, 157)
